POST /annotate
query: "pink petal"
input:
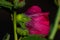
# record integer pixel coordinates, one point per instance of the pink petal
(39, 23)
(34, 9)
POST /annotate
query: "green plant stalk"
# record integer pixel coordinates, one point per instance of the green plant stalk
(14, 22)
(55, 28)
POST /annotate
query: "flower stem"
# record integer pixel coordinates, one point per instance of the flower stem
(55, 28)
(14, 22)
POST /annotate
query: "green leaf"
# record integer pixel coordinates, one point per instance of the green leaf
(33, 37)
(6, 4)
(6, 37)
(21, 31)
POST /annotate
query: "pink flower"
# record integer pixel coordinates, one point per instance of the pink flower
(33, 10)
(39, 23)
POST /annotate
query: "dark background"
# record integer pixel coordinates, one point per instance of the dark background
(6, 25)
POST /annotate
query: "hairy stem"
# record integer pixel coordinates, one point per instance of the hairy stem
(14, 22)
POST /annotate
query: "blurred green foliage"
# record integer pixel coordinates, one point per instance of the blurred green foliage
(33, 37)
(6, 4)
(22, 32)
(18, 4)
(6, 37)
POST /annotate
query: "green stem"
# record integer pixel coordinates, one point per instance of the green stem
(55, 25)
(15, 34)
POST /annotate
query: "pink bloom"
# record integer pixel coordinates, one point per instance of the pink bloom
(39, 23)
(33, 10)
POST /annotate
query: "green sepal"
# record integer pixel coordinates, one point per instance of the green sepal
(22, 18)
(22, 32)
